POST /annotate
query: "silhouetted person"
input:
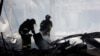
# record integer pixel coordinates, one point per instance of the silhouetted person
(46, 25)
(24, 30)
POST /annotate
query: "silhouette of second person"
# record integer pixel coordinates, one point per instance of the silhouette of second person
(46, 25)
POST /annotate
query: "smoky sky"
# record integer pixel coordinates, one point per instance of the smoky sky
(68, 16)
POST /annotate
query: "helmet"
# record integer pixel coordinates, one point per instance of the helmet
(33, 21)
(48, 16)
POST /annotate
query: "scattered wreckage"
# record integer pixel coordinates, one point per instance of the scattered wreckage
(58, 49)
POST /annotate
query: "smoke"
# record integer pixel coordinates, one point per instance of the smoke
(68, 16)
(4, 26)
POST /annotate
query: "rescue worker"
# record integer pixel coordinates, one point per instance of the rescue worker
(46, 25)
(24, 30)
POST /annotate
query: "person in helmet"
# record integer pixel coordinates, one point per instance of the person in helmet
(46, 25)
(24, 29)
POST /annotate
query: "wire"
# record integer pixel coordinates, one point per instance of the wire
(14, 14)
(8, 19)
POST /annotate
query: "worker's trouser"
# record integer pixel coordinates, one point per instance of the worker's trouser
(26, 42)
